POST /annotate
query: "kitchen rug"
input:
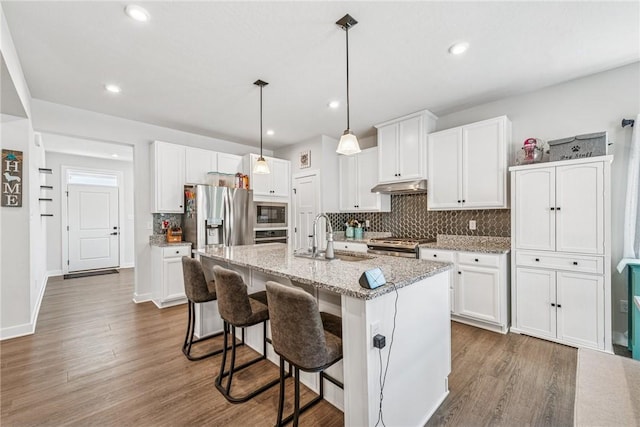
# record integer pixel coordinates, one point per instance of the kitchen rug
(607, 390)
(90, 273)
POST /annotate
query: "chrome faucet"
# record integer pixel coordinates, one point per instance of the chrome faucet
(328, 254)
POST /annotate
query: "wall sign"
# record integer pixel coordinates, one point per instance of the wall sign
(11, 178)
(305, 159)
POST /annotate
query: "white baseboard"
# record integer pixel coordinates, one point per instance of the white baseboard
(54, 273)
(138, 298)
(27, 328)
(127, 265)
(620, 338)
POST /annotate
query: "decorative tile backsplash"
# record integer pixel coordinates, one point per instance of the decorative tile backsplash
(409, 217)
(174, 219)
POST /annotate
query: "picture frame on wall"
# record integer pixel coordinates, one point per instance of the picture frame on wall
(305, 159)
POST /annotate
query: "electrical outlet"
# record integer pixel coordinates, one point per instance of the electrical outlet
(374, 329)
(624, 306)
(472, 224)
(366, 223)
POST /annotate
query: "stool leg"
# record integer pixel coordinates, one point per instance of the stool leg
(233, 358)
(186, 347)
(296, 404)
(281, 399)
(224, 353)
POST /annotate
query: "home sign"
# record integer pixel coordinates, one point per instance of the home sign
(11, 178)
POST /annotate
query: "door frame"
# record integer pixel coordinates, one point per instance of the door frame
(64, 211)
(294, 195)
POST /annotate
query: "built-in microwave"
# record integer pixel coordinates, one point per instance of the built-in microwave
(270, 215)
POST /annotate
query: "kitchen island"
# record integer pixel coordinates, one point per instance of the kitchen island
(411, 311)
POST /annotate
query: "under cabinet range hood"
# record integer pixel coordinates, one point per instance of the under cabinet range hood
(406, 187)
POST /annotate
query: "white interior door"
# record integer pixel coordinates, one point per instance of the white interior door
(93, 227)
(307, 206)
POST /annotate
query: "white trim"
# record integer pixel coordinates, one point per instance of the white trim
(139, 298)
(26, 328)
(127, 265)
(54, 273)
(64, 214)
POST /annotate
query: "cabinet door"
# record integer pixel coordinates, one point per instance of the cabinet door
(444, 170)
(535, 292)
(580, 208)
(535, 222)
(348, 178)
(261, 184)
(411, 150)
(580, 309)
(484, 165)
(198, 163)
(173, 286)
(367, 179)
(169, 176)
(229, 163)
(478, 293)
(280, 174)
(388, 153)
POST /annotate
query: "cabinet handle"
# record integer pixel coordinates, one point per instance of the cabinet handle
(553, 305)
(459, 272)
(463, 200)
(180, 205)
(553, 209)
(559, 306)
(177, 252)
(537, 259)
(476, 259)
(459, 201)
(558, 208)
(115, 233)
(575, 262)
(435, 256)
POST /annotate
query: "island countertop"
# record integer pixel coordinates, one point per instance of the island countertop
(335, 275)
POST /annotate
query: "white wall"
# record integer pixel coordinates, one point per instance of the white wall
(64, 120)
(590, 104)
(55, 161)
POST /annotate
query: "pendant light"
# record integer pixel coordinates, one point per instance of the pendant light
(348, 142)
(261, 166)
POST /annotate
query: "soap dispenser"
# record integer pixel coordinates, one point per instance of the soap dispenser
(328, 254)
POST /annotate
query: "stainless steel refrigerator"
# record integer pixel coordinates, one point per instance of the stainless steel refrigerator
(218, 215)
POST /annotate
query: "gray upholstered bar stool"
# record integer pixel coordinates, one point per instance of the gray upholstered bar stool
(308, 339)
(239, 309)
(198, 290)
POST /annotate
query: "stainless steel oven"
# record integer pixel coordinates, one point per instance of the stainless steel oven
(271, 236)
(270, 215)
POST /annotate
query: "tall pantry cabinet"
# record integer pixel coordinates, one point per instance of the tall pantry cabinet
(561, 251)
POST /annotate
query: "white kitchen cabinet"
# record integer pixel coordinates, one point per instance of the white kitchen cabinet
(358, 175)
(166, 274)
(560, 208)
(479, 287)
(167, 177)
(467, 166)
(561, 305)
(198, 163)
(350, 246)
(402, 147)
(562, 251)
(229, 163)
(272, 186)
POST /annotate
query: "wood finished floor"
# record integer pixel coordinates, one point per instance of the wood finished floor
(99, 359)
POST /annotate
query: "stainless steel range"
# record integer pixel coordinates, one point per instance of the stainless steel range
(396, 246)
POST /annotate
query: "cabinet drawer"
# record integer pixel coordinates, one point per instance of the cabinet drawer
(350, 246)
(176, 251)
(581, 263)
(484, 260)
(436, 255)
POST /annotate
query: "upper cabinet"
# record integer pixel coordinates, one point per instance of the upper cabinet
(229, 164)
(467, 166)
(271, 186)
(198, 163)
(167, 177)
(358, 174)
(402, 147)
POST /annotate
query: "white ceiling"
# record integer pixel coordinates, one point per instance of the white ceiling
(84, 147)
(191, 67)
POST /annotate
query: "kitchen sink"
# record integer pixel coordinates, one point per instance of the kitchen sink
(341, 256)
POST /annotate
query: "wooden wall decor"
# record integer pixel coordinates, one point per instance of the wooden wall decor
(11, 178)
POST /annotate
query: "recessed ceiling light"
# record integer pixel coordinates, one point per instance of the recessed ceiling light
(270, 132)
(137, 13)
(112, 88)
(114, 155)
(334, 104)
(458, 48)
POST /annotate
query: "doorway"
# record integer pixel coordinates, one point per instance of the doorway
(306, 205)
(91, 215)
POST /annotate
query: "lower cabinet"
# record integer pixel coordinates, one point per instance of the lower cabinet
(479, 287)
(560, 305)
(350, 246)
(166, 275)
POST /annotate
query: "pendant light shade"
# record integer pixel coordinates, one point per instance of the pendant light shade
(348, 142)
(261, 167)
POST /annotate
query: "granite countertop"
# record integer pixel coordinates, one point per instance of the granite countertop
(482, 244)
(160, 240)
(339, 236)
(335, 275)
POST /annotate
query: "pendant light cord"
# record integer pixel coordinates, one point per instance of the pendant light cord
(261, 120)
(346, 29)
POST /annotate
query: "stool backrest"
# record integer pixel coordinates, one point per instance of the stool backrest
(233, 299)
(296, 326)
(195, 283)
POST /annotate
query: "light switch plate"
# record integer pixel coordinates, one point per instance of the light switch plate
(472, 224)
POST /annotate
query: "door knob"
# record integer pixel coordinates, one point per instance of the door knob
(115, 233)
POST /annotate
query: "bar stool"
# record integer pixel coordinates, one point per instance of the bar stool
(304, 337)
(239, 309)
(198, 290)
